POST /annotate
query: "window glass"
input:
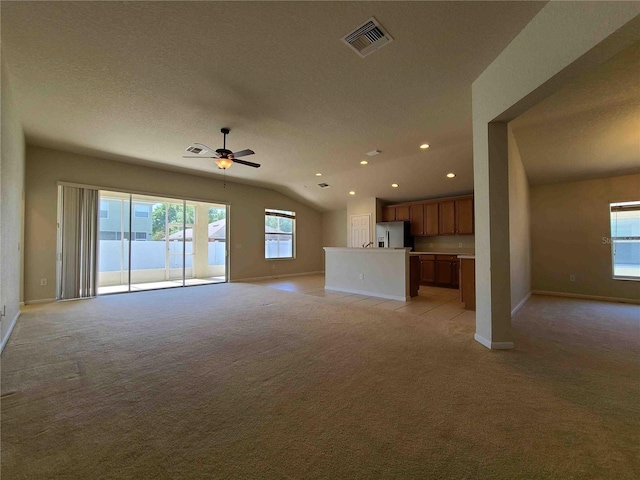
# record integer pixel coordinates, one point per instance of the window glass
(104, 209)
(141, 211)
(625, 240)
(279, 232)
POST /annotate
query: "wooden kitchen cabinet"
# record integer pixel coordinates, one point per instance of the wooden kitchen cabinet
(416, 217)
(468, 283)
(388, 214)
(402, 212)
(427, 268)
(464, 216)
(414, 275)
(444, 273)
(447, 217)
(451, 216)
(430, 221)
(439, 270)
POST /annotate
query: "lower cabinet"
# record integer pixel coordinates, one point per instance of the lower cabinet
(440, 270)
(468, 283)
(427, 268)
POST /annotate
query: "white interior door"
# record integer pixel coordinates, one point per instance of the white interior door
(360, 233)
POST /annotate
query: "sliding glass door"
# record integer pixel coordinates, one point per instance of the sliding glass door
(151, 242)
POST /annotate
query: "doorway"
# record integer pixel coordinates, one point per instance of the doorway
(360, 231)
(147, 242)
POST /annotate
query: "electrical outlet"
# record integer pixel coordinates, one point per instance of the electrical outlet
(43, 282)
(572, 278)
(273, 266)
(460, 244)
(361, 276)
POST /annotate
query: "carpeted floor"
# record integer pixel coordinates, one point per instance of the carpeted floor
(243, 381)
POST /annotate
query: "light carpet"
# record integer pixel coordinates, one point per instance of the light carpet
(241, 381)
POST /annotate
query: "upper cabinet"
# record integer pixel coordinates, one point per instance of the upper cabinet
(451, 216)
(447, 217)
(431, 222)
(402, 212)
(388, 214)
(416, 214)
(464, 216)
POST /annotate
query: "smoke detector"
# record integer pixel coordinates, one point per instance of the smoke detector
(367, 38)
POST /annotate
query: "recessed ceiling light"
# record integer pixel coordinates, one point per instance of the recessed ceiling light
(364, 162)
(424, 146)
(352, 192)
(451, 175)
(318, 174)
(394, 185)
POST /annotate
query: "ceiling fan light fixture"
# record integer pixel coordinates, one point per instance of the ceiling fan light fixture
(223, 163)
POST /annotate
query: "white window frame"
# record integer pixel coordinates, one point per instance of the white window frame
(635, 205)
(281, 214)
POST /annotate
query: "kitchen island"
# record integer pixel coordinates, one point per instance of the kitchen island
(377, 272)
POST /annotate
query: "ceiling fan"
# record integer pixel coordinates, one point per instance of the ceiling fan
(224, 158)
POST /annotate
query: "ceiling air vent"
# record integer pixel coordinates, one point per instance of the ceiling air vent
(193, 149)
(367, 38)
(324, 185)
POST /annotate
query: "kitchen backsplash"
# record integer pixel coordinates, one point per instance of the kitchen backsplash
(448, 243)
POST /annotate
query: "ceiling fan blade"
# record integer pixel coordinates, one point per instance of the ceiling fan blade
(244, 162)
(196, 156)
(243, 153)
(204, 147)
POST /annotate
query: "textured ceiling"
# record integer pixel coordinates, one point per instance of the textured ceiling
(140, 81)
(589, 128)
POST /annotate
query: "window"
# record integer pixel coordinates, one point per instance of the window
(625, 240)
(104, 209)
(140, 236)
(141, 211)
(279, 227)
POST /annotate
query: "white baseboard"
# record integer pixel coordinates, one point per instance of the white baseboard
(493, 345)
(368, 294)
(9, 331)
(271, 277)
(41, 300)
(521, 304)
(588, 297)
(22, 304)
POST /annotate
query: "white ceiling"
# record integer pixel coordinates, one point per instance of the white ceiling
(139, 81)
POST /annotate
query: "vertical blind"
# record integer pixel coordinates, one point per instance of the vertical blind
(77, 238)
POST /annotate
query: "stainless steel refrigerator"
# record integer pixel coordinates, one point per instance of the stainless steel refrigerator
(393, 235)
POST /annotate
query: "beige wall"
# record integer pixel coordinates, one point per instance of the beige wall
(568, 224)
(12, 166)
(334, 229)
(246, 218)
(519, 232)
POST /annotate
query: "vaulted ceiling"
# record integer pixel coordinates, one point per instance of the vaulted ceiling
(140, 81)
